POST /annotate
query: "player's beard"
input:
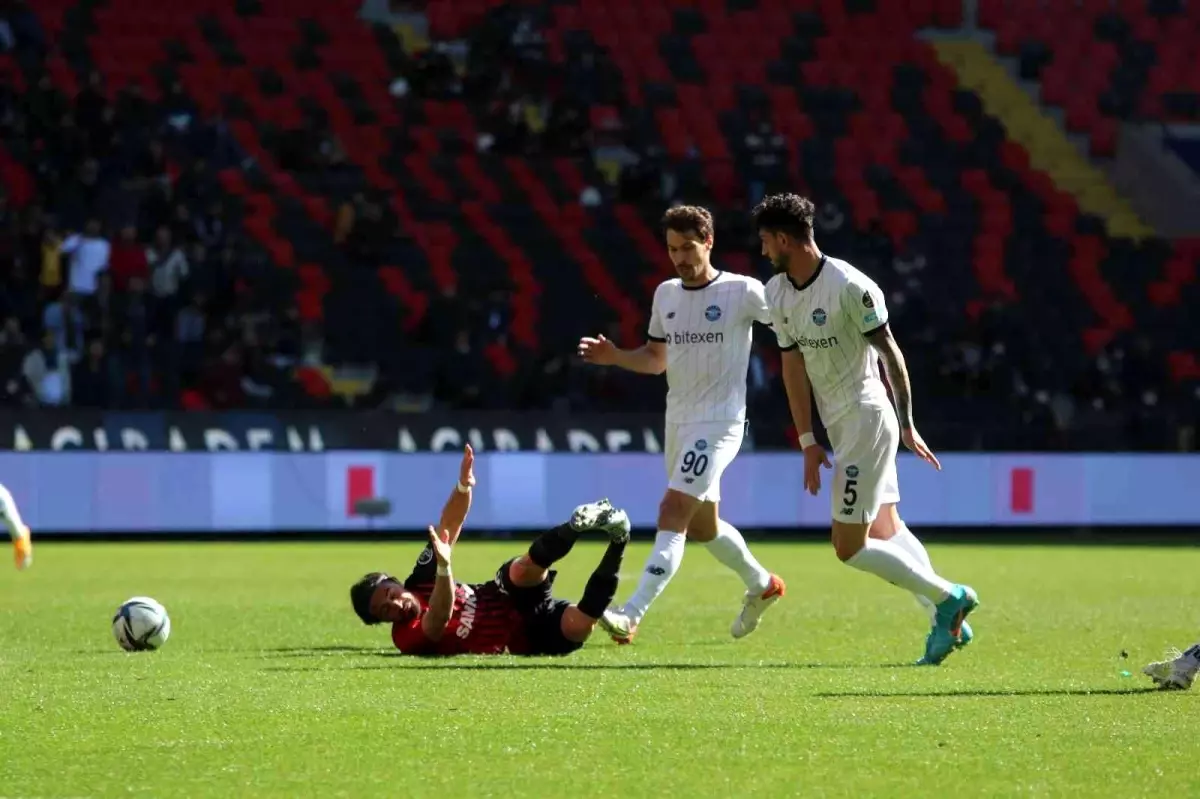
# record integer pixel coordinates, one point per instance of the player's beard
(687, 271)
(780, 262)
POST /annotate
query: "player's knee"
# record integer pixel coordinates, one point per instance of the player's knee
(525, 573)
(848, 540)
(675, 511)
(702, 527)
(577, 625)
(886, 523)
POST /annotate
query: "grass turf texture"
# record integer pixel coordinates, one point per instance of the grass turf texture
(269, 686)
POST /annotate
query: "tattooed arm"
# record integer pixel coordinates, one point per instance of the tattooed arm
(897, 373)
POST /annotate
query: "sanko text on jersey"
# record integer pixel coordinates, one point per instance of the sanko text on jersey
(688, 337)
(806, 343)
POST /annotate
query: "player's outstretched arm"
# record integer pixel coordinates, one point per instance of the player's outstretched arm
(897, 374)
(648, 359)
(441, 601)
(454, 513)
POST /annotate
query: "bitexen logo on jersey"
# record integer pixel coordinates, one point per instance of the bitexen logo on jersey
(817, 343)
(688, 337)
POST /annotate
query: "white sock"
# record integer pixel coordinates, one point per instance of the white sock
(730, 549)
(9, 515)
(905, 539)
(661, 566)
(890, 562)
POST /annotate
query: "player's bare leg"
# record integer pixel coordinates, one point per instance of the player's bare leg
(888, 526)
(675, 513)
(18, 531)
(1177, 671)
(727, 545)
(892, 563)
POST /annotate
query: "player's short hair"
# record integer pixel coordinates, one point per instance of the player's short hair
(785, 213)
(689, 219)
(362, 591)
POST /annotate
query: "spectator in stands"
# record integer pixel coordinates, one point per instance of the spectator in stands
(63, 319)
(89, 253)
(167, 263)
(14, 389)
(128, 260)
(92, 378)
(136, 311)
(210, 226)
(47, 370)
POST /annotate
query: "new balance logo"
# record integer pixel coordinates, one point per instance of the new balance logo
(657, 571)
(847, 511)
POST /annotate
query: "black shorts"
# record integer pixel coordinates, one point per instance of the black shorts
(541, 612)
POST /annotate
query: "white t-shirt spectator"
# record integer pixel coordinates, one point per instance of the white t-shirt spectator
(89, 257)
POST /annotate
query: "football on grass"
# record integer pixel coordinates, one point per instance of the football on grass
(141, 624)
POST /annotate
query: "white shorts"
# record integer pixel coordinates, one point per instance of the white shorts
(698, 453)
(864, 463)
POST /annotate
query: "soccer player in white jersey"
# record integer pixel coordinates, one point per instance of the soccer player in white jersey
(17, 531)
(1178, 671)
(701, 329)
(832, 325)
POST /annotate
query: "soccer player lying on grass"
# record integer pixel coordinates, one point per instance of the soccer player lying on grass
(1177, 671)
(431, 614)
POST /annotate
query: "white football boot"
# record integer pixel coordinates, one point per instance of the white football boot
(1177, 671)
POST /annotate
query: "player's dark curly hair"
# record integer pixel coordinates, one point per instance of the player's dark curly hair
(362, 591)
(785, 213)
(689, 219)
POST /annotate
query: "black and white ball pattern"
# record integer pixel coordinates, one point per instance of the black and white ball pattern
(141, 624)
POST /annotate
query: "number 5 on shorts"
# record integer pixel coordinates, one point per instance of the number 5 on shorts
(850, 495)
(694, 463)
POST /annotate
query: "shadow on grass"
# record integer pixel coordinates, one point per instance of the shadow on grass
(998, 692)
(317, 651)
(449, 664)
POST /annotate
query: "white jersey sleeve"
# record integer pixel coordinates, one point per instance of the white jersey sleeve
(657, 332)
(775, 306)
(863, 304)
(756, 303)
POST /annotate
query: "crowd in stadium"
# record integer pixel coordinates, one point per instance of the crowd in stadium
(125, 281)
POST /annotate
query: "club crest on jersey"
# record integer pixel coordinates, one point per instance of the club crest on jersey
(671, 315)
(852, 471)
(867, 301)
(818, 317)
(712, 313)
(425, 557)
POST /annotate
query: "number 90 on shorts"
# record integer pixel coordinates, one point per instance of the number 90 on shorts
(698, 453)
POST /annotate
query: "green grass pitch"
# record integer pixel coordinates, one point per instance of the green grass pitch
(269, 686)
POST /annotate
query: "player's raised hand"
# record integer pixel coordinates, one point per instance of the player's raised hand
(814, 459)
(599, 350)
(441, 545)
(912, 439)
(466, 469)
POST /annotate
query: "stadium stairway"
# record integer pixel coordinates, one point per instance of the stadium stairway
(1047, 144)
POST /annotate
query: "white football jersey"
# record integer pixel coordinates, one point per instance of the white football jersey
(708, 331)
(828, 319)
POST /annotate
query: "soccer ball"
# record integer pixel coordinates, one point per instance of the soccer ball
(141, 624)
